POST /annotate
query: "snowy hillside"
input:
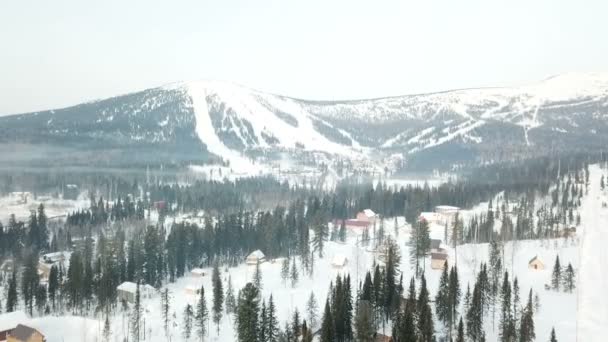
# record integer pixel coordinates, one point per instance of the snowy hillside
(207, 122)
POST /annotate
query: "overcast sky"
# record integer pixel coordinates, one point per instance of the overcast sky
(62, 52)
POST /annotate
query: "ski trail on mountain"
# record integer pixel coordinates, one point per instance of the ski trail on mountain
(592, 311)
(206, 131)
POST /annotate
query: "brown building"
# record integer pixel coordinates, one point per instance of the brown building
(24, 333)
(9, 321)
(438, 260)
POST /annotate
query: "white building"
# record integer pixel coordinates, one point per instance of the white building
(127, 290)
(339, 261)
(255, 257)
(197, 272)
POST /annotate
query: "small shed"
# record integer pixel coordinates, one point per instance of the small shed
(255, 257)
(339, 261)
(197, 272)
(126, 291)
(438, 260)
(23, 333)
(192, 289)
(536, 264)
(9, 321)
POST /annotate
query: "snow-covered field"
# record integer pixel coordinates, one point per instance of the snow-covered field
(575, 319)
(557, 308)
(53, 207)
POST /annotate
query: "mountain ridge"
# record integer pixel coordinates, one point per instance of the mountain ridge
(233, 124)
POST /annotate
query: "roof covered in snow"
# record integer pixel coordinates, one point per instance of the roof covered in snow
(339, 260)
(128, 286)
(10, 320)
(446, 207)
(369, 213)
(257, 254)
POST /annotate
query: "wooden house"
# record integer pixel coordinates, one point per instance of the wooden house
(536, 264)
(24, 333)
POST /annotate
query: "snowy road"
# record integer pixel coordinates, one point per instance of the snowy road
(592, 315)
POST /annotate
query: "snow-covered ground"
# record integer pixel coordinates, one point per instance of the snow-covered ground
(557, 308)
(53, 207)
(578, 316)
(592, 311)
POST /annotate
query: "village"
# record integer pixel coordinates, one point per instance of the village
(354, 256)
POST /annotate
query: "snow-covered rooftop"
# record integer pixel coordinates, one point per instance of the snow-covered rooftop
(339, 260)
(10, 320)
(256, 254)
(369, 213)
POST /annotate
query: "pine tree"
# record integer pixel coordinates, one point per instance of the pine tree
(12, 296)
(165, 306)
(29, 281)
(218, 297)
(41, 297)
(475, 314)
(460, 336)
(364, 325)
(569, 281)
(556, 276)
(247, 319)
(136, 314)
(425, 314)
(202, 315)
(272, 329)
(306, 333)
(53, 285)
(107, 333)
(285, 270)
(516, 300)
(263, 326)
(327, 325)
(455, 293)
(507, 323)
(553, 338)
(526, 330)
(294, 274)
(257, 277)
(404, 329)
(188, 318)
(295, 323)
(442, 300)
(230, 299)
(311, 310)
(321, 234)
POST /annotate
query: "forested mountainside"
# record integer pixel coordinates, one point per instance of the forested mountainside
(218, 122)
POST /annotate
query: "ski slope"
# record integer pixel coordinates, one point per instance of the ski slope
(592, 312)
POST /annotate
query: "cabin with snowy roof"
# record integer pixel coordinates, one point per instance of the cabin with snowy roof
(536, 264)
(10, 321)
(255, 257)
(23, 333)
(367, 215)
(339, 261)
(197, 272)
(127, 290)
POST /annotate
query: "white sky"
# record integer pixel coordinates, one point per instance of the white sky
(62, 52)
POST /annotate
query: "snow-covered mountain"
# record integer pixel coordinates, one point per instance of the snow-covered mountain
(202, 122)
